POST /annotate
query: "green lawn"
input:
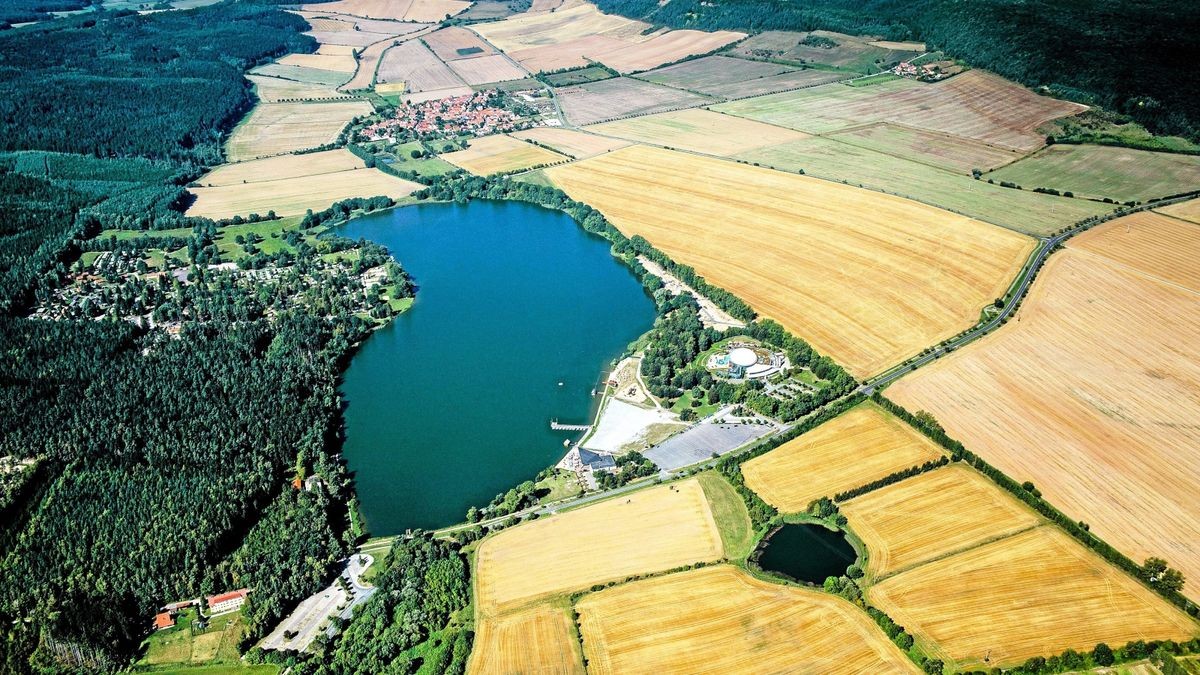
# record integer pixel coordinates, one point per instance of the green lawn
(737, 533)
(562, 485)
(685, 401)
(183, 647)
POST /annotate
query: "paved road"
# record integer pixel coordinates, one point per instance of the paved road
(314, 611)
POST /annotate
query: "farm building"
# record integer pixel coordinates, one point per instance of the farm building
(227, 602)
(164, 620)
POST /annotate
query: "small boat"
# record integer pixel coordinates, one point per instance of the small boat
(560, 384)
(566, 442)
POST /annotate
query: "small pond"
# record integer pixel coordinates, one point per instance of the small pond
(807, 553)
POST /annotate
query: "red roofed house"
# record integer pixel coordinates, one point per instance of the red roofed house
(227, 602)
(164, 620)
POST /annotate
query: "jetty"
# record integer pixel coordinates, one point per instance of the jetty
(557, 426)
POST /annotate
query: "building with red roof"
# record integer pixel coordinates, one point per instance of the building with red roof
(164, 620)
(227, 602)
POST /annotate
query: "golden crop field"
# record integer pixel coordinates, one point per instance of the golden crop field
(284, 166)
(414, 64)
(575, 144)
(1189, 210)
(699, 131)
(868, 279)
(275, 89)
(278, 128)
(648, 531)
(292, 196)
(561, 26)
(1035, 593)
(368, 63)
(931, 515)
(540, 639)
(451, 43)
(395, 10)
(860, 446)
(1091, 392)
(722, 620)
(486, 69)
(501, 154)
(342, 63)
(664, 48)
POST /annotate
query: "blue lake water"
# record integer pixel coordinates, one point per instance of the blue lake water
(518, 312)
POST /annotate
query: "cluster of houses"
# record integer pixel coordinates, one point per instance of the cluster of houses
(929, 72)
(474, 113)
(220, 603)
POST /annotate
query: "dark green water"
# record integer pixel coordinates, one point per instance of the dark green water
(451, 403)
(807, 553)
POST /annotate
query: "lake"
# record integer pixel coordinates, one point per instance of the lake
(518, 314)
(808, 553)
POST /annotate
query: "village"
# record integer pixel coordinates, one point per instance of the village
(478, 114)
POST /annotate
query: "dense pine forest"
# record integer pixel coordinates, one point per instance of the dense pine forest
(167, 458)
(1133, 57)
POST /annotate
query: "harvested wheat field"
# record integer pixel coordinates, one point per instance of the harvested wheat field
(571, 54)
(336, 50)
(501, 154)
(1101, 171)
(1035, 593)
(412, 63)
(1093, 392)
(943, 151)
(278, 128)
(575, 144)
(663, 48)
(342, 63)
(565, 25)
(485, 69)
(860, 446)
(929, 516)
(368, 63)
(621, 97)
(729, 78)
(395, 10)
(293, 196)
(284, 166)
(1189, 210)
(457, 43)
(867, 278)
(700, 131)
(327, 78)
(276, 89)
(975, 105)
(1022, 210)
(648, 531)
(540, 639)
(722, 620)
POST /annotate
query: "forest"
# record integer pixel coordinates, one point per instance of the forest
(1135, 57)
(167, 460)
